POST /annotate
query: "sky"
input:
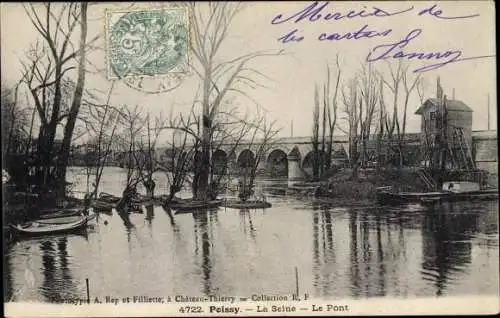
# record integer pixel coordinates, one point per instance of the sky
(289, 92)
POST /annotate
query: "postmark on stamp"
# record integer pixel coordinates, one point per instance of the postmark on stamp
(148, 49)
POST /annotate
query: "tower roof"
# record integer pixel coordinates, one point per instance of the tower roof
(451, 104)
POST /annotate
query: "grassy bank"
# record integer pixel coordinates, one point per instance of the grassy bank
(342, 186)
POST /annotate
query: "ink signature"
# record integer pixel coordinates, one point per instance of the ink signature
(363, 32)
(394, 51)
(319, 12)
(315, 12)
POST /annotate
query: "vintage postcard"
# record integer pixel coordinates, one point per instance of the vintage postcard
(249, 159)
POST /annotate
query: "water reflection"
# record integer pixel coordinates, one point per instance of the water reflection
(376, 260)
(150, 213)
(202, 236)
(380, 256)
(168, 211)
(58, 282)
(353, 249)
(340, 253)
(125, 216)
(323, 250)
(446, 245)
(247, 224)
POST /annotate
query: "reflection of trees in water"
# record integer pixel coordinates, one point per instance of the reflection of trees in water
(323, 251)
(371, 249)
(128, 224)
(488, 219)
(150, 213)
(380, 256)
(48, 263)
(366, 251)
(446, 245)
(353, 255)
(167, 210)
(247, 223)
(58, 282)
(202, 229)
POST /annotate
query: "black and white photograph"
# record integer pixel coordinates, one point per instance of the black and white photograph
(249, 158)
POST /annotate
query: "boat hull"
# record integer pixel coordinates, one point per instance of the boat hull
(247, 205)
(188, 207)
(98, 205)
(48, 229)
(387, 197)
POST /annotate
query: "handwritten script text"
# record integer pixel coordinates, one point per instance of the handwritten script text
(317, 12)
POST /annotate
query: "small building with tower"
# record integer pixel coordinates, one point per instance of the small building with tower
(446, 132)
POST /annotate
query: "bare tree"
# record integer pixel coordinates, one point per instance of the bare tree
(368, 87)
(133, 123)
(15, 119)
(211, 24)
(396, 127)
(427, 138)
(323, 146)
(331, 105)
(177, 161)
(266, 131)
(229, 131)
(101, 122)
(52, 59)
(350, 101)
(315, 137)
(145, 156)
(16, 138)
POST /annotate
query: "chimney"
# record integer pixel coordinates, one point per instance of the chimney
(439, 90)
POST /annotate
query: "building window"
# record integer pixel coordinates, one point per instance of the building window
(432, 115)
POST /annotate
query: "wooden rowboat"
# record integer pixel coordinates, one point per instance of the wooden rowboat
(66, 219)
(50, 226)
(99, 205)
(387, 197)
(56, 213)
(190, 206)
(247, 205)
(429, 201)
(108, 198)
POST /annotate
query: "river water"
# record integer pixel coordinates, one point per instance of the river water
(339, 252)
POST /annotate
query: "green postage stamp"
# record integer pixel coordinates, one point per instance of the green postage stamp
(148, 49)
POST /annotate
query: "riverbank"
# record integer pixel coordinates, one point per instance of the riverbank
(343, 188)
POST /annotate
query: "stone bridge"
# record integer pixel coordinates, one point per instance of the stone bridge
(293, 156)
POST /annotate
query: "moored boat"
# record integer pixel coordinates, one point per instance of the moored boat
(247, 205)
(430, 201)
(59, 212)
(190, 206)
(66, 219)
(106, 197)
(452, 191)
(51, 226)
(99, 205)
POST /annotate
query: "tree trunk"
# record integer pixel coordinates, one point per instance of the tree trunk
(202, 182)
(75, 106)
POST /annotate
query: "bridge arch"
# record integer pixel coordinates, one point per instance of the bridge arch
(309, 158)
(220, 161)
(277, 163)
(246, 159)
